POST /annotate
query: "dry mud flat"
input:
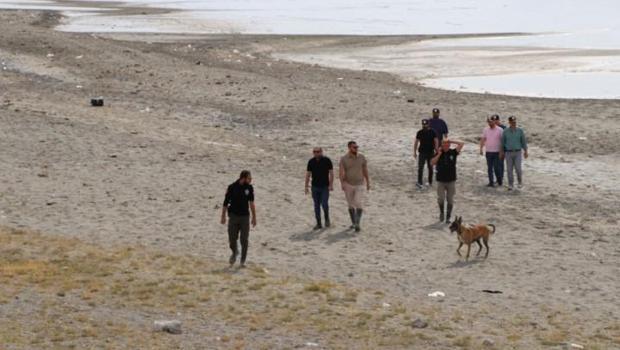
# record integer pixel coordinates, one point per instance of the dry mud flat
(127, 197)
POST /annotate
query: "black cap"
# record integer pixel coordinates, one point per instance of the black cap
(512, 118)
(435, 110)
(424, 122)
(494, 117)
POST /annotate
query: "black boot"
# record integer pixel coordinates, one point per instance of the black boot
(449, 213)
(352, 215)
(358, 219)
(441, 217)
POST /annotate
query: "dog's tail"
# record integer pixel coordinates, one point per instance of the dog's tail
(491, 225)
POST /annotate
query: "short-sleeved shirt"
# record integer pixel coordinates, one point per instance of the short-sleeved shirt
(514, 139)
(493, 138)
(439, 126)
(446, 166)
(320, 169)
(427, 140)
(353, 165)
(238, 197)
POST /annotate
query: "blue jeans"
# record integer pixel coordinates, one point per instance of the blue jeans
(495, 166)
(320, 196)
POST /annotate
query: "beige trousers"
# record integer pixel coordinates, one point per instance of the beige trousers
(355, 195)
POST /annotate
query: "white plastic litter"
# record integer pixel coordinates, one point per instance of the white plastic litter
(437, 294)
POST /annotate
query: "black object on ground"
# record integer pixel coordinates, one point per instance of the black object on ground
(96, 102)
(492, 291)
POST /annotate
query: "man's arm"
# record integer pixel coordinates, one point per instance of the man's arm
(225, 206)
(501, 146)
(253, 210)
(331, 179)
(524, 143)
(415, 148)
(365, 173)
(341, 174)
(459, 145)
(436, 157)
(483, 141)
(307, 182)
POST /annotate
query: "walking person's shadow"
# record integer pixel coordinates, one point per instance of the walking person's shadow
(307, 235)
(340, 236)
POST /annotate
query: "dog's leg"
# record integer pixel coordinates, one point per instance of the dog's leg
(468, 248)
(479, 247)
(486, 244)
(458, 250)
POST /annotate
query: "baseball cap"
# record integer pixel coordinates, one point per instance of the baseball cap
(435, 110)
(424, 121)
(494, 117)
(512, 118)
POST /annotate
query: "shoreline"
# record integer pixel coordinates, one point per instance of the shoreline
(183, 116)
(438, 61)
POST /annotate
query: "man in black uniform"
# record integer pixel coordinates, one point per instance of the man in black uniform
(426, 143)
(445, 161)
(321, 169)
(239, 196)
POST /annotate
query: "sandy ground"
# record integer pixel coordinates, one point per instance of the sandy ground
(184, 115)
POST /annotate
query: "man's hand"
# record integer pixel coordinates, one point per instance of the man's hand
(331, 187)
(481, 152)
(223, 220)
(525, 154)
(415, 155)
(253, 221)
(367, 186)
(501, 155)
(306, 191)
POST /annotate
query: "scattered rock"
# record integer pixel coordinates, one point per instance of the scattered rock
(418, 323)
(410, 100)
(61, 294)
(172, 326)
(50, 202)
(488, 343)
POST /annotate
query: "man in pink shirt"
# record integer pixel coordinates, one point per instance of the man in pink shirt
(491, 139)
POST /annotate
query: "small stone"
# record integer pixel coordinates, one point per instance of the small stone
(411, 100)
(60, 294)
(488, 343)
(172, 326)
(418, 323)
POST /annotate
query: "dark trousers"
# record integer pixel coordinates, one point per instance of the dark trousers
(320, 196)
(425, 159)
(239, 225)
(495, 166)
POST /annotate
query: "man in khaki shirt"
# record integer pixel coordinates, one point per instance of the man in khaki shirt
(353, 174)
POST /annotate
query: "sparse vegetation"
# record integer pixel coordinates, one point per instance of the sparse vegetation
(83, 296)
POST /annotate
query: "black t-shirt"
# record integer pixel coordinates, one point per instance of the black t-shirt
(320, 171)
(446, 166)
(238, 197)
(427, 140)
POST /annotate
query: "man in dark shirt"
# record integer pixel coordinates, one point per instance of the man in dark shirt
(321, 169)
(445, 161)
(238, 202)
(438, 125)
(425, 144)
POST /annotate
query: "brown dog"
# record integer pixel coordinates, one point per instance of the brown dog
(470, 234)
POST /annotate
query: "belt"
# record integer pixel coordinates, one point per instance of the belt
(514, 150)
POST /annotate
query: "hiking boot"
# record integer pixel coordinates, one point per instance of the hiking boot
(441, 217)
(490, 184)
(449, 213)
(327, 223)
(419, 186)
(352, 215)
(358, 219)
(318, 227)
(232, 259)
